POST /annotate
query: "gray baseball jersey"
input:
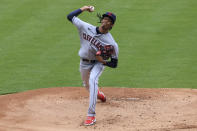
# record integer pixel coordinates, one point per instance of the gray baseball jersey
(90, 40)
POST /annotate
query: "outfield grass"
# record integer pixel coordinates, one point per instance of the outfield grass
(39, 47)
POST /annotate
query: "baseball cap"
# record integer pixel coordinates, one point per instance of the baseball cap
(111, 16)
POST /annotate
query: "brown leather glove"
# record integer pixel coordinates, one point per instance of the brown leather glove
(105, 51)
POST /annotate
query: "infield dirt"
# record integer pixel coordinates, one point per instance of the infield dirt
(126, 109)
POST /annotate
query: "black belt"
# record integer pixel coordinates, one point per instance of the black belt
(90, 61)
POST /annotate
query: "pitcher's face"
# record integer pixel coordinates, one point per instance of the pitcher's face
(106, 23)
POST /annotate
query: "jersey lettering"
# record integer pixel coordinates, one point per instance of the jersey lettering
(89, 37)
(92, 40)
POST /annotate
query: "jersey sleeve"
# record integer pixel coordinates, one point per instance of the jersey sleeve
(116, 52)
(78, 23)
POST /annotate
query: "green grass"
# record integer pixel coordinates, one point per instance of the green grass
(39, 47)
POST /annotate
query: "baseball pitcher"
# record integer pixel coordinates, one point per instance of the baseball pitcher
(98, 49)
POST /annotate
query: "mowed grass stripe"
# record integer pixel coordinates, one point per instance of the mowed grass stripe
(18, 16)
(168, 58)
(171, 63)
(17, 33)
(32, 51)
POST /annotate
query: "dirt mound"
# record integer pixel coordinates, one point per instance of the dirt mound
(126, 109)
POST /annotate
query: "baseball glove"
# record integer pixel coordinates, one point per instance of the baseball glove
(105, 51)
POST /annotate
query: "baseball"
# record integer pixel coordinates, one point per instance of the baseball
(91, 8)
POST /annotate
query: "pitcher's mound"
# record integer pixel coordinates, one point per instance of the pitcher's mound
(126, 109)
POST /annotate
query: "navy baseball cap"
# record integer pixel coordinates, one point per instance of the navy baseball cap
(111, 16)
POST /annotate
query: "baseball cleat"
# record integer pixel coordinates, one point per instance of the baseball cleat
(90, 121)
(101, 96)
